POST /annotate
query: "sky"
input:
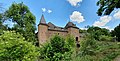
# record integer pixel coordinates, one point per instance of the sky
(60, 12)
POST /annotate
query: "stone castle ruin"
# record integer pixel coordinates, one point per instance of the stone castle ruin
(46, 30)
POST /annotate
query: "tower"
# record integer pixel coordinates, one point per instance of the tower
(74, 31)
(42, 30)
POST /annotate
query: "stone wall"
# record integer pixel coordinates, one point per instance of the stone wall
(45, 34)
(74, 32)
(42, 33)
(53, 32)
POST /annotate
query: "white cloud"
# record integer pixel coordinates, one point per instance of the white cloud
(102, 21)
(117, 15)
(77, 17)
(44, 9)
(83, 28)
(49, 11)
(74, 2)
(107, 27)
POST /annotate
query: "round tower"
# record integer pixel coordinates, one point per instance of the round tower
(42, 31)
(74, 31)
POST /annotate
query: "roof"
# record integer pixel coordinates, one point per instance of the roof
(42, 20)
(70, 24)
(52, 26)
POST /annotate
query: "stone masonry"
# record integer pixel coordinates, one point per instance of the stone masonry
(45, 31)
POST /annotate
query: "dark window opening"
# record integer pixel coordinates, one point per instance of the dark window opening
(78, 45)
(76, 38)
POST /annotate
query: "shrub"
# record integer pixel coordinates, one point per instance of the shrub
(84, 58)
(13, 47)
(70, 41)
(55, 50)
(88, 45)
(105, 38)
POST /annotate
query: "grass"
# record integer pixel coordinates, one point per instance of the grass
(106, 51)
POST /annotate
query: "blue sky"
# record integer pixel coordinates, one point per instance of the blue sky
(59, 12)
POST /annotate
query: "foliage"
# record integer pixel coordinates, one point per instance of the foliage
(88, 45)
(106, 38)
(116, 32)
(2, 27)
(14, 48)
(112, 33)
(24, 20)
(110, 56)
(70, 41)
(102, 31)
(107, 6)
(98, 32)
(82, 31)
(108, 50)
(105, 51)
(84, 58)
(57, 43)
(57, 49)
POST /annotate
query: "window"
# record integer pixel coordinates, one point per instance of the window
(78, 45)
(76, 38)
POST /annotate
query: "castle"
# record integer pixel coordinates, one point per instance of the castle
(45, 31)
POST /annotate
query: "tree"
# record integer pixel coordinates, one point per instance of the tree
(13, 47)
(107, 6)
(2, 27)
(112, 33)
(116, 32)
(88, 45)
(97, 32)
(82, 31)
(70, 41)
(24, 20)
(57, 49)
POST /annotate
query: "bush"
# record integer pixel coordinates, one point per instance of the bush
(106, 38)
(55, 50)
(88, 45)
(13, 47)
(70, 41)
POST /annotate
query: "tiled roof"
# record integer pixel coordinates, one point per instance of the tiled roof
(42, 20)
(53, 27)
(70, 24)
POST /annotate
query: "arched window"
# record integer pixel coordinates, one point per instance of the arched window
(77, 43)
(76, 38)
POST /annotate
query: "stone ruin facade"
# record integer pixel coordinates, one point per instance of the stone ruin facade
(46, 30)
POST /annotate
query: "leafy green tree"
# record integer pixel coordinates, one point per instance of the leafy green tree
(116, 32)
(88, 45)
(106, 38)
(103, 31)
(82, 31)
(57, 43)
(97, 32)
(55, 50)
(24, 19)
(2, 27)
(70, 40)
(14, 48)
(107, 6)
(112, 33)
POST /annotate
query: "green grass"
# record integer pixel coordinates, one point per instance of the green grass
(106, 51)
